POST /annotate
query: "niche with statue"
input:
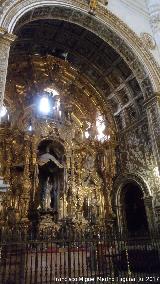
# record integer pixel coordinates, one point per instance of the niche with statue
(50, 174)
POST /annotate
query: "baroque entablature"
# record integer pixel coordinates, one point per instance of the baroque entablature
(104, 24)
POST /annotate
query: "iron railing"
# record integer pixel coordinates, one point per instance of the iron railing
(28, 257)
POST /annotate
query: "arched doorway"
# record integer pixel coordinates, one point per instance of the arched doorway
(135, 218)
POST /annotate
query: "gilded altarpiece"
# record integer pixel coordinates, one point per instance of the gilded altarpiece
(58, 169)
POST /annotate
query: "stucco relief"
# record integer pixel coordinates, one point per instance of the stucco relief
(136, 156)
(154, 123)
(5, 4)
(155, 21)
(148, 41)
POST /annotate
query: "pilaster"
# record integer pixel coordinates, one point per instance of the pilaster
(5, 42)
(148, 202)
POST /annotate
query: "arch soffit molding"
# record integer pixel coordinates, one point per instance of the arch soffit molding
(106, 25)
(122, 180)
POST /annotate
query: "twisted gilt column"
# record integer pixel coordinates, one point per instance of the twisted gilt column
(26, 179)
(5, 42)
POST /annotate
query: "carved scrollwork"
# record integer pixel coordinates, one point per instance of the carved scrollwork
(148, 40)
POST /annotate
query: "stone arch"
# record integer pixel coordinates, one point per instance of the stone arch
(119, 184)
(106, 25)
(123, 180)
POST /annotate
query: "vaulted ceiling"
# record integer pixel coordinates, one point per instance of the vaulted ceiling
(91, 56)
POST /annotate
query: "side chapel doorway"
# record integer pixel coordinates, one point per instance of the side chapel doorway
(135, 218)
